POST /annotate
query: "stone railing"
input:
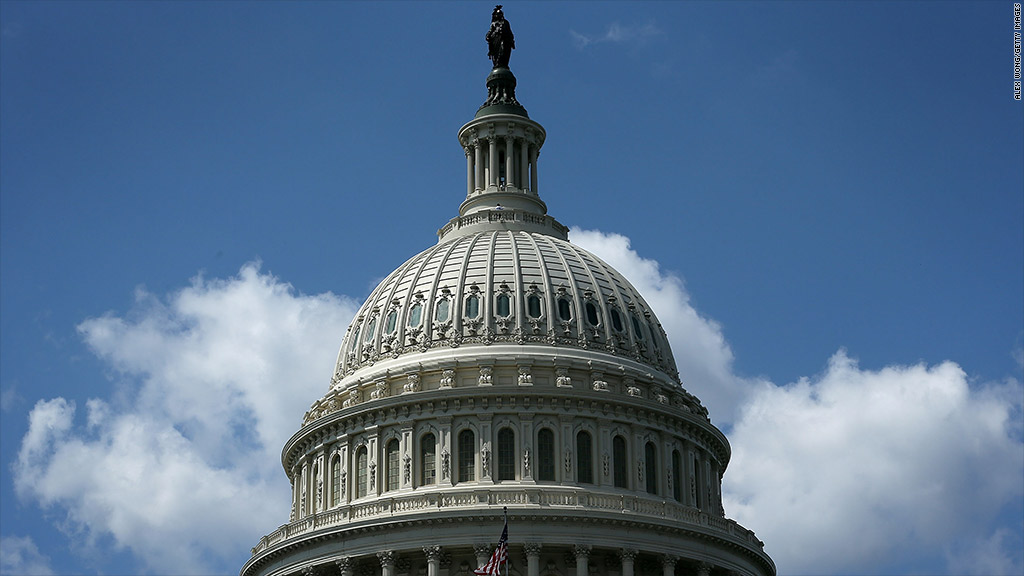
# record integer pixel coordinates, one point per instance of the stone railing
(525, 499)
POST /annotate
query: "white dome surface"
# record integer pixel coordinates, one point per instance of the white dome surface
(504, 286)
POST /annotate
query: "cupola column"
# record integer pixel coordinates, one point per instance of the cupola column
(470, 183)
(387, 562)
(524, 164)
(492, 151)
(510, 161)
(533, 169)
(478, 161)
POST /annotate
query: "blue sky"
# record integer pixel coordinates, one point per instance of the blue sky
(823, 201)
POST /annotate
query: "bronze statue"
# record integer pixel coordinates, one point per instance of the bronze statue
(500, 40)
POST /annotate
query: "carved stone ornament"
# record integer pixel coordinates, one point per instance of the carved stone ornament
(526, 461)
(485, 376)
(628, 554)
(447, 378)
(373, 475)
(562, 379)
(445, 464)
(525, 378)
(581, 550)
(605, 463)
(485, 460)
(407, 465)
(568, 461)
(599, 382)
(532, 549)
(345, 565)
(433, 553)
(412, 384)
(381, 390)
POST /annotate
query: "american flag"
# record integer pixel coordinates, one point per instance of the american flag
(500, 556)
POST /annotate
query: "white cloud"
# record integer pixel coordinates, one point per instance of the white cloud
(703, 356)
(857, 471)
(617, 34)
(20, 556)
(182, 467)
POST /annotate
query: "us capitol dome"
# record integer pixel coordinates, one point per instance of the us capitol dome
(506, 370)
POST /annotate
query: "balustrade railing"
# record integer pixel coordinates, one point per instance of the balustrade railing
(528, 497)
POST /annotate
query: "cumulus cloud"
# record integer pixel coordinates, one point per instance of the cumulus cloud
(858, 471)
(19, 555)
(702, 354)
(181, 466)
(617, 34)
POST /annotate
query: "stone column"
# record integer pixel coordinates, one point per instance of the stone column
(346, 565)
(478, 165)
(668, 565)
(582, 552)
(627, 555)
(533, 169)
(510, 163)
(492, 150)
(387, 562)
(483, 554)
(470, 183)
(433, 554)
(703, 569)
(524, 164)
(532, 550)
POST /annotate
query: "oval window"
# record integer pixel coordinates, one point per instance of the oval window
(592, 316)
(415, 315)
(391, 322)
(533, 306)
(369, 328)
(564, 309)
(616, 320)
(637, 328)
(442, 311)
(472, 307)
(504, 308)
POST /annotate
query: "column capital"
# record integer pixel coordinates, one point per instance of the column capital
(668, 560)
(345, 565)
(387, 558)
(703, 569)
(482, 549)
(532, 549)
(432, 552)
(628, 554)
(582, 550)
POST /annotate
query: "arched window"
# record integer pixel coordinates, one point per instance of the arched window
(392, 460)
(621, 467)
(584, 459)
(677, 475)
(592, 316)
(546, 455)
(616, 319)
(442, 310)
(467, 456)
(506, 454)
(564, 309)
(504, 305)
(361, 472)
(370, 327)
(651, 476)
(533, 306)
(314, 500)
(696, 483)
(335, 480)
(427, 454)
(415, 315)
(472, 307)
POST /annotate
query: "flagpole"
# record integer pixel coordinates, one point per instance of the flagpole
(505, 509)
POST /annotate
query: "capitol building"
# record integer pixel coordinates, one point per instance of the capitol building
(505, 370)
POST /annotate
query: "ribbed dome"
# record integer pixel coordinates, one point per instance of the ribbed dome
(504, 286)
